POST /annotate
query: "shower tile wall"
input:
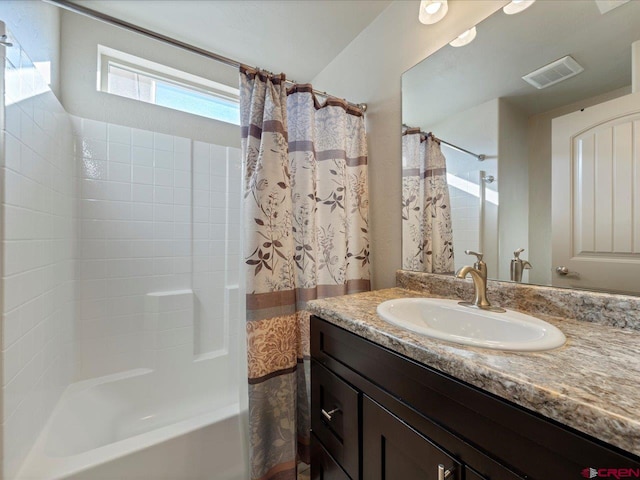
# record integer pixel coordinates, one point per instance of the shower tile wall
(37, 255)
(465, 206)
(216, 242)
(152, 219)
(465, 220)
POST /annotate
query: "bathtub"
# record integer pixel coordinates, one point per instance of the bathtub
(143, 424)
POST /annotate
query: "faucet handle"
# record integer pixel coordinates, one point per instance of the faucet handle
(477, 254)
(518, 252)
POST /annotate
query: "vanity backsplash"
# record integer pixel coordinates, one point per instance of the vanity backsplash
(620, 311)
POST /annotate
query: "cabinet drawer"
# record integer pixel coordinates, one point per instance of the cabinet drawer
(391, 449)
(334, 417)
(323, 466)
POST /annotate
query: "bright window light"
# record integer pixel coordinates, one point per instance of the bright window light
(139, 79)
(471, 188)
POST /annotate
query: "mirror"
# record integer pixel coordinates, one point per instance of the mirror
(569, 198)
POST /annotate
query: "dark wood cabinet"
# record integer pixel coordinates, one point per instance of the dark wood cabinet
(396, 419)
(335, 417)
(323, 466)
(392, 449)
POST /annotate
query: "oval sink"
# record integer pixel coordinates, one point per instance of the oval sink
(447, 320)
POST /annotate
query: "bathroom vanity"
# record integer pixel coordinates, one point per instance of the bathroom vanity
(391, 404)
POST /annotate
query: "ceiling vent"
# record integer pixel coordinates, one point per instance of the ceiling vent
(553, 73)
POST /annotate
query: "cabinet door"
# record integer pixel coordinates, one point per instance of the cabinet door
(391, 449)
(323, 466)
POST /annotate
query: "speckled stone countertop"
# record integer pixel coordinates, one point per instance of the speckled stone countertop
(592, 383)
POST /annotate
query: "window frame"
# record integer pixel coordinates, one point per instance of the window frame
(164, 74)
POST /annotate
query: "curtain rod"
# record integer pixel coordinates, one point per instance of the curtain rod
(88, 12)
(481, 157)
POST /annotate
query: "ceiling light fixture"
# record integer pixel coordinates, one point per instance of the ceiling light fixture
(432, 11)
(517, 6)
(464, 38)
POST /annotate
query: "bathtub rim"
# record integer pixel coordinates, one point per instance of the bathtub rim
(42, 466)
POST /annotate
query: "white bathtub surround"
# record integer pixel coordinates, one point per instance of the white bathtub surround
(216, 239)
(119, 272)
(37, 255)
(135, 236)
(168, 330)
(143, 424)
(155, 214)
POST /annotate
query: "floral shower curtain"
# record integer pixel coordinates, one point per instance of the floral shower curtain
(306, 217)
(427, 235)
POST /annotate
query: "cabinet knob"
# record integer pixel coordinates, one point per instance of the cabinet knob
(329, 415)
(562, 270)
(443, 473)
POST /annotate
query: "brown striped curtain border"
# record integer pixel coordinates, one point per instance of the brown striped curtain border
(329, 102)
(252, 73)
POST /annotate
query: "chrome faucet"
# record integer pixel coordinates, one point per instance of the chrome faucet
(518, 266)
(479, 276)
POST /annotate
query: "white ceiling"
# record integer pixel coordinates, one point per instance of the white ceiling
(298, 38)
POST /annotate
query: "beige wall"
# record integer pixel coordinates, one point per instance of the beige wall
(369, 70)
(513, 185)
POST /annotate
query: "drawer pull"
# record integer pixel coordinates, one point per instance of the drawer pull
(443, 473)
(329, 415)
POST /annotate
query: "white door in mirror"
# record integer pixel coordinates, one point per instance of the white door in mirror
(596, 196)
(447, 320)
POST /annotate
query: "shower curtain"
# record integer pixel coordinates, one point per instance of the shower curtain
(427, 235)
(306, 237)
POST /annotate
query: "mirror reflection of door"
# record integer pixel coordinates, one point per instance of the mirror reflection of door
(596, 196)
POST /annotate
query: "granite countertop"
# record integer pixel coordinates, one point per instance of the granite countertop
(590, 384)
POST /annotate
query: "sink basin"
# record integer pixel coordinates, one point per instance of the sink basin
(447, 320)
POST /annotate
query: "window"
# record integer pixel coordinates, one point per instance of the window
(133, 77)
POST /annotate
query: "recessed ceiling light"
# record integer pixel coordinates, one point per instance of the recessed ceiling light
(464, 38)
(517, 6)
(432, 11)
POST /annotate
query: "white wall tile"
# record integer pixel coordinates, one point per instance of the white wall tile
(119, 172)
(163, 177)
(136, 237)
(182, 196)
(162, 141)
(120, 153)
(142, 175)
(163, 195)
(163, 159)
(94, 169)
(142, 156)
(142, 193)
(92, 148)
(119, 134)
(141, 138)
(92, 129)
(37, 271)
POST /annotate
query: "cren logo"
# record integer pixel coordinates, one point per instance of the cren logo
(616, 473)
